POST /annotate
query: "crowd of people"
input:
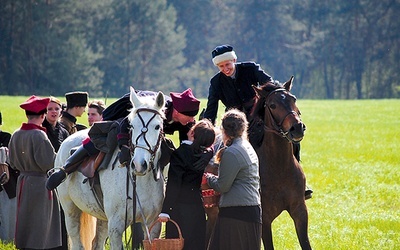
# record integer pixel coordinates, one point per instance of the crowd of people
(28, 154)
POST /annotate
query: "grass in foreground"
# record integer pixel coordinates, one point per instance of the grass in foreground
(350, 155)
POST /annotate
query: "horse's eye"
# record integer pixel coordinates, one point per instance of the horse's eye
(157, 127)
(272, 106)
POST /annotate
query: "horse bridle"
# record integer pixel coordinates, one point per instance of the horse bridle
(277, 127)
(143, 133)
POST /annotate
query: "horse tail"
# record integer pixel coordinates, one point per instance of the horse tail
(88, 230)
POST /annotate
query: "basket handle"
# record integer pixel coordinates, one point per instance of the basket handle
(169, 220)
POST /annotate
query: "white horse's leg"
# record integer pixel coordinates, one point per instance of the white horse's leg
(72, 223)
(113, 184)
(115, 230)
(101, 235)
(155, 231)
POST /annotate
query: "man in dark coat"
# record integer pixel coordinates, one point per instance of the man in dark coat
(232, 85)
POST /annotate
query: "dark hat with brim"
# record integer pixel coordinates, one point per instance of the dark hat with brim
(35, 105)
(185, 102)
(76, 99)
(223, 53)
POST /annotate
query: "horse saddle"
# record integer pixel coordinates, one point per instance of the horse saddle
(90, 164)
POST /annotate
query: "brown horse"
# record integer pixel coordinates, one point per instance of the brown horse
(281, 176)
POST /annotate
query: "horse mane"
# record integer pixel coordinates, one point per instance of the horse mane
(259, 106)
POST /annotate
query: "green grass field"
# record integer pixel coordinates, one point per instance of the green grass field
(350, 155)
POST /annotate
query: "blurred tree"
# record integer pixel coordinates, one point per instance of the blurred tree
(341, 49)
(42, 51)
(142, 46)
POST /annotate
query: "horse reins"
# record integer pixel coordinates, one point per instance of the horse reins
(143, 132)
(277, 127)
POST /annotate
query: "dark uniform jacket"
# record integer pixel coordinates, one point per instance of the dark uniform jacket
(4, 138)
(11, 185)
(183, 200)
(69, 122)
(56, 135)
(235, 92)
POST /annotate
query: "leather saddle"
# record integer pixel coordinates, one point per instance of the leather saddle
(90, 164)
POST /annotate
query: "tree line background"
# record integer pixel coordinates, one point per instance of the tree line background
(335, 49)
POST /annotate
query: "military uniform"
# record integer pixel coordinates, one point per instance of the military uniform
(38, 210)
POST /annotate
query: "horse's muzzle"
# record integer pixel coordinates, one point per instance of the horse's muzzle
(139, 168)
(296, 132)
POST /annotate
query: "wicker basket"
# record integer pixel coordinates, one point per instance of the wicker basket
(210, 198)
(164, 244)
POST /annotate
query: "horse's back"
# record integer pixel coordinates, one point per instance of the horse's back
(69, 143)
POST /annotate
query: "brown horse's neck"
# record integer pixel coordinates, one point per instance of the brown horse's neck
(276, 152)
(277, 145)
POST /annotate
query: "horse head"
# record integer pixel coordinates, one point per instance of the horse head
(146, 120)
(277, 106)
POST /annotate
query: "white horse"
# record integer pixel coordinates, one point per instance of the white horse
(146, 118)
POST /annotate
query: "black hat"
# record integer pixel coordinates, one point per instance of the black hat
(76, 99)
(223, 53)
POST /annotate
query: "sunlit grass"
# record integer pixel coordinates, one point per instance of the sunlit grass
(350, 155)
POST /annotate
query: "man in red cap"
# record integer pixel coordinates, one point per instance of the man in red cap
(180, 109)
(31, 152)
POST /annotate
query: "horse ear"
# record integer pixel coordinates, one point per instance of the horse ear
(160, 100)
(288, 84)
(134, 98)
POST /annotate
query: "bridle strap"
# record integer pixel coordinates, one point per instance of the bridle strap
(277, 127)
(144, 132)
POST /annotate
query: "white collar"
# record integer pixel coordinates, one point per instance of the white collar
(187, 142)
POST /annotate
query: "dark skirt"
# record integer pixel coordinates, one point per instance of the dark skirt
(192, 222)
(232, 233)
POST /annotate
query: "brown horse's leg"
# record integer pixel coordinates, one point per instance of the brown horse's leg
(267, 236)
(300, 218)
(212, 214)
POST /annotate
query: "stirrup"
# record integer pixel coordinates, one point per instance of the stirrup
(55, 170)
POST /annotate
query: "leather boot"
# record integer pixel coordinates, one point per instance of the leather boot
(71, 165)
